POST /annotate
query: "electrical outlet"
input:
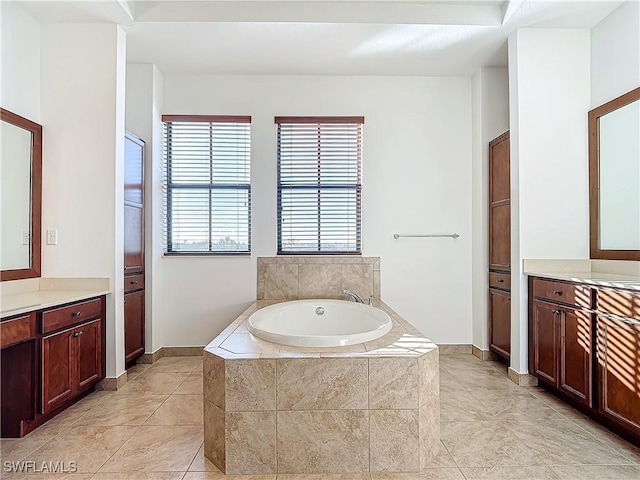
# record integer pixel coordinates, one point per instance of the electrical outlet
(25, 237)
(52, 237)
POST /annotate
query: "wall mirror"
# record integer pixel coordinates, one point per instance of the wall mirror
(614, 178)
(20, 196)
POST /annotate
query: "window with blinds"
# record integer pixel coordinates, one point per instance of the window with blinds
(319, 184)
(208, 188)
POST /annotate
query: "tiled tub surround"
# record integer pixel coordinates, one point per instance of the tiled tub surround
(290, 278)
(372, 407)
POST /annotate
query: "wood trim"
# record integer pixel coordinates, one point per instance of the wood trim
(359, 120)
(207, 118)
(594, 174)
(36, 198)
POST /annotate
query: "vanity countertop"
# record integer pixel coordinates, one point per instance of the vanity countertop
(586, 271)
(38, 294)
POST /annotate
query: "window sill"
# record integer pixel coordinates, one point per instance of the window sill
(207, 254)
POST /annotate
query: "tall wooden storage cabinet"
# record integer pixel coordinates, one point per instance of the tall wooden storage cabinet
(134, 325)
(499, 247)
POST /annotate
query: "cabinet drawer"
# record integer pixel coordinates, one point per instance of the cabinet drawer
(500, 280)
(17, 330)
(70, 315)
(562, 292)
(134, 282)
(619, 302)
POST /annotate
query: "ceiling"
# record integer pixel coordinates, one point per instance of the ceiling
(323, 37)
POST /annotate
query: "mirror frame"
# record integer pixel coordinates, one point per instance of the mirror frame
(594, 175)
(36, 197)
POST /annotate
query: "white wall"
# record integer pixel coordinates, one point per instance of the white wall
(549, 71)
(490, 119)
(82, 92)
(615, 54)
(417, 179)
(20, 62)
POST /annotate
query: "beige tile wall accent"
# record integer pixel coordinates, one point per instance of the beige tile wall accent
(291, 278)
(323, 441)
(322, 384)
(321, 415)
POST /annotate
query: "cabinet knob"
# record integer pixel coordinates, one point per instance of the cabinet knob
(76, 314)
(555, 312)
(508, 299)
(77, 334)
(500, 280)
(557, 293)
(135, 282)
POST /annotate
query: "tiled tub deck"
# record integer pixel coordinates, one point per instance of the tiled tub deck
(372, 407)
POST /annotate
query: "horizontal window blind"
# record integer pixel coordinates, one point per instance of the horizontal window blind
(319, 184)
(207, 190)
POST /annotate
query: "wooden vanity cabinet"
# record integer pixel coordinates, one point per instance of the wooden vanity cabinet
(618, 346)
(584, 346)
(560, 337)
(71, 363)
(59, 359)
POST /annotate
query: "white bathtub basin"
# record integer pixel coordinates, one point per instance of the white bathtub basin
(319, 323)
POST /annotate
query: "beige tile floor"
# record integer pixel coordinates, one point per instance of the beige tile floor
(491, 429)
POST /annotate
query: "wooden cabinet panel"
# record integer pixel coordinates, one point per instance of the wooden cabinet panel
(499, 204)
(133, 169)
(57, 369)
(500, 169)
(618, 345)
(575, 354)
(545, 341)
(88, 354)
(17, 330)
(133, 239)
(500, 322)
(500, 239)
(71, 315)
(134, 328)
(71, 363)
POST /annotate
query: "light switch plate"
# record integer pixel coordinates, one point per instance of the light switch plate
(25, 237)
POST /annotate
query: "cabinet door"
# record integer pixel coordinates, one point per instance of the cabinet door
(499, 204)
(57, 369)
(133, 169)
(500, 322)
(133, 325)
(500, 240)
(575, 354)
(545, 342)
(499, 166)
(133, 239)
(88, 354)
(618, 346)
